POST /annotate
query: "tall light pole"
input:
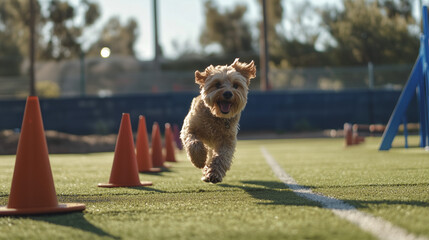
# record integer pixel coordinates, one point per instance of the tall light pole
(155, 26)
(82, 73)
(32, 48)
(263, 50)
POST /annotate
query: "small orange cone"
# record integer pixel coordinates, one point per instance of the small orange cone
(124, 170)
(356, 138)
(169, 144)
(157, 157)
(176, 134)
(348, 134)
(144, 161)
(33, 190)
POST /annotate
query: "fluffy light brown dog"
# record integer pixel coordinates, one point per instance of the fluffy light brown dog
(209, 132)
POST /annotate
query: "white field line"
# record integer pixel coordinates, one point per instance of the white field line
(374, 225)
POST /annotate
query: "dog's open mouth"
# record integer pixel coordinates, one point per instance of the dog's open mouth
(225, 106)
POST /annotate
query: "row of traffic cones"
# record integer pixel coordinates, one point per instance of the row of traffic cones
(354, 134)
(129, 161)
(33, 189)
(148, 163)
(351, 135)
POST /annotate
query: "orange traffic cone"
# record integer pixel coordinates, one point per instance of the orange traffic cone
(33, 190)
(356, 138)
(144, 161)
(348, 134)
(176, 134)
(124, 170)
(157, 157)
(169, 144)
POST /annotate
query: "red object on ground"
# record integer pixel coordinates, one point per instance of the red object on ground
(33, 190)
(169, 144)
(124, 170)
(157, 157)
(348, 134)
(144, 161)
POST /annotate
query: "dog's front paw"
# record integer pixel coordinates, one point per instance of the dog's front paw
(211, 176)
(197, 153)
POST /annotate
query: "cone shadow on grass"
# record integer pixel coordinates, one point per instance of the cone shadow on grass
(76, 221)
(147, 189)
(164, 170)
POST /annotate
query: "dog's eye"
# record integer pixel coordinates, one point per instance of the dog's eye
(218, 85)
(235, 85)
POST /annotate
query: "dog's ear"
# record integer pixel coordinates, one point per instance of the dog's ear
(200, 77)
(248, 70)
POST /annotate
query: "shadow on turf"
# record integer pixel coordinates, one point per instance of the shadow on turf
(273, 193)
(73, 220)
(277, 193)
(163, 170)
(364, 204)
(146, 188)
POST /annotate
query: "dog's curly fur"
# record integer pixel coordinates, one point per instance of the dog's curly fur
(209, 132)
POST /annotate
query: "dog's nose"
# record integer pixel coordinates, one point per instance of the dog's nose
(227, 95)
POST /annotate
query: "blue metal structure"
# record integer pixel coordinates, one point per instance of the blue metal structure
(417, 83)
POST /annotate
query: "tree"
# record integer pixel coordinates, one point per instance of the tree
(119, 38)
(375, 32)
(10, 56)
(228, 29)
(63, 42)
(60, 20)
(402, 8)
(14, 34)
(294, 46)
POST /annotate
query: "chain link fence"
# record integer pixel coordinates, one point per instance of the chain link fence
(127, 75)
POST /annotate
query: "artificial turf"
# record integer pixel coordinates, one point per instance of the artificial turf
(251, 203)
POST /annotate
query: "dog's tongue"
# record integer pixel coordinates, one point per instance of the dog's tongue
(225, 107)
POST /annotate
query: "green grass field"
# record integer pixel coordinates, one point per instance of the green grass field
(251, 203)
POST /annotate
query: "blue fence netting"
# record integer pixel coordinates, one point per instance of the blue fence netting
(278, 111)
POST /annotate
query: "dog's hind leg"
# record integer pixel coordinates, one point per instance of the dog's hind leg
(195, 150)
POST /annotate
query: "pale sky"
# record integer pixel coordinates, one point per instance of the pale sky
(178, 20)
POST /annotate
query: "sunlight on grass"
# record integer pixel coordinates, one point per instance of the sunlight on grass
(251, 203)
(391, 184)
